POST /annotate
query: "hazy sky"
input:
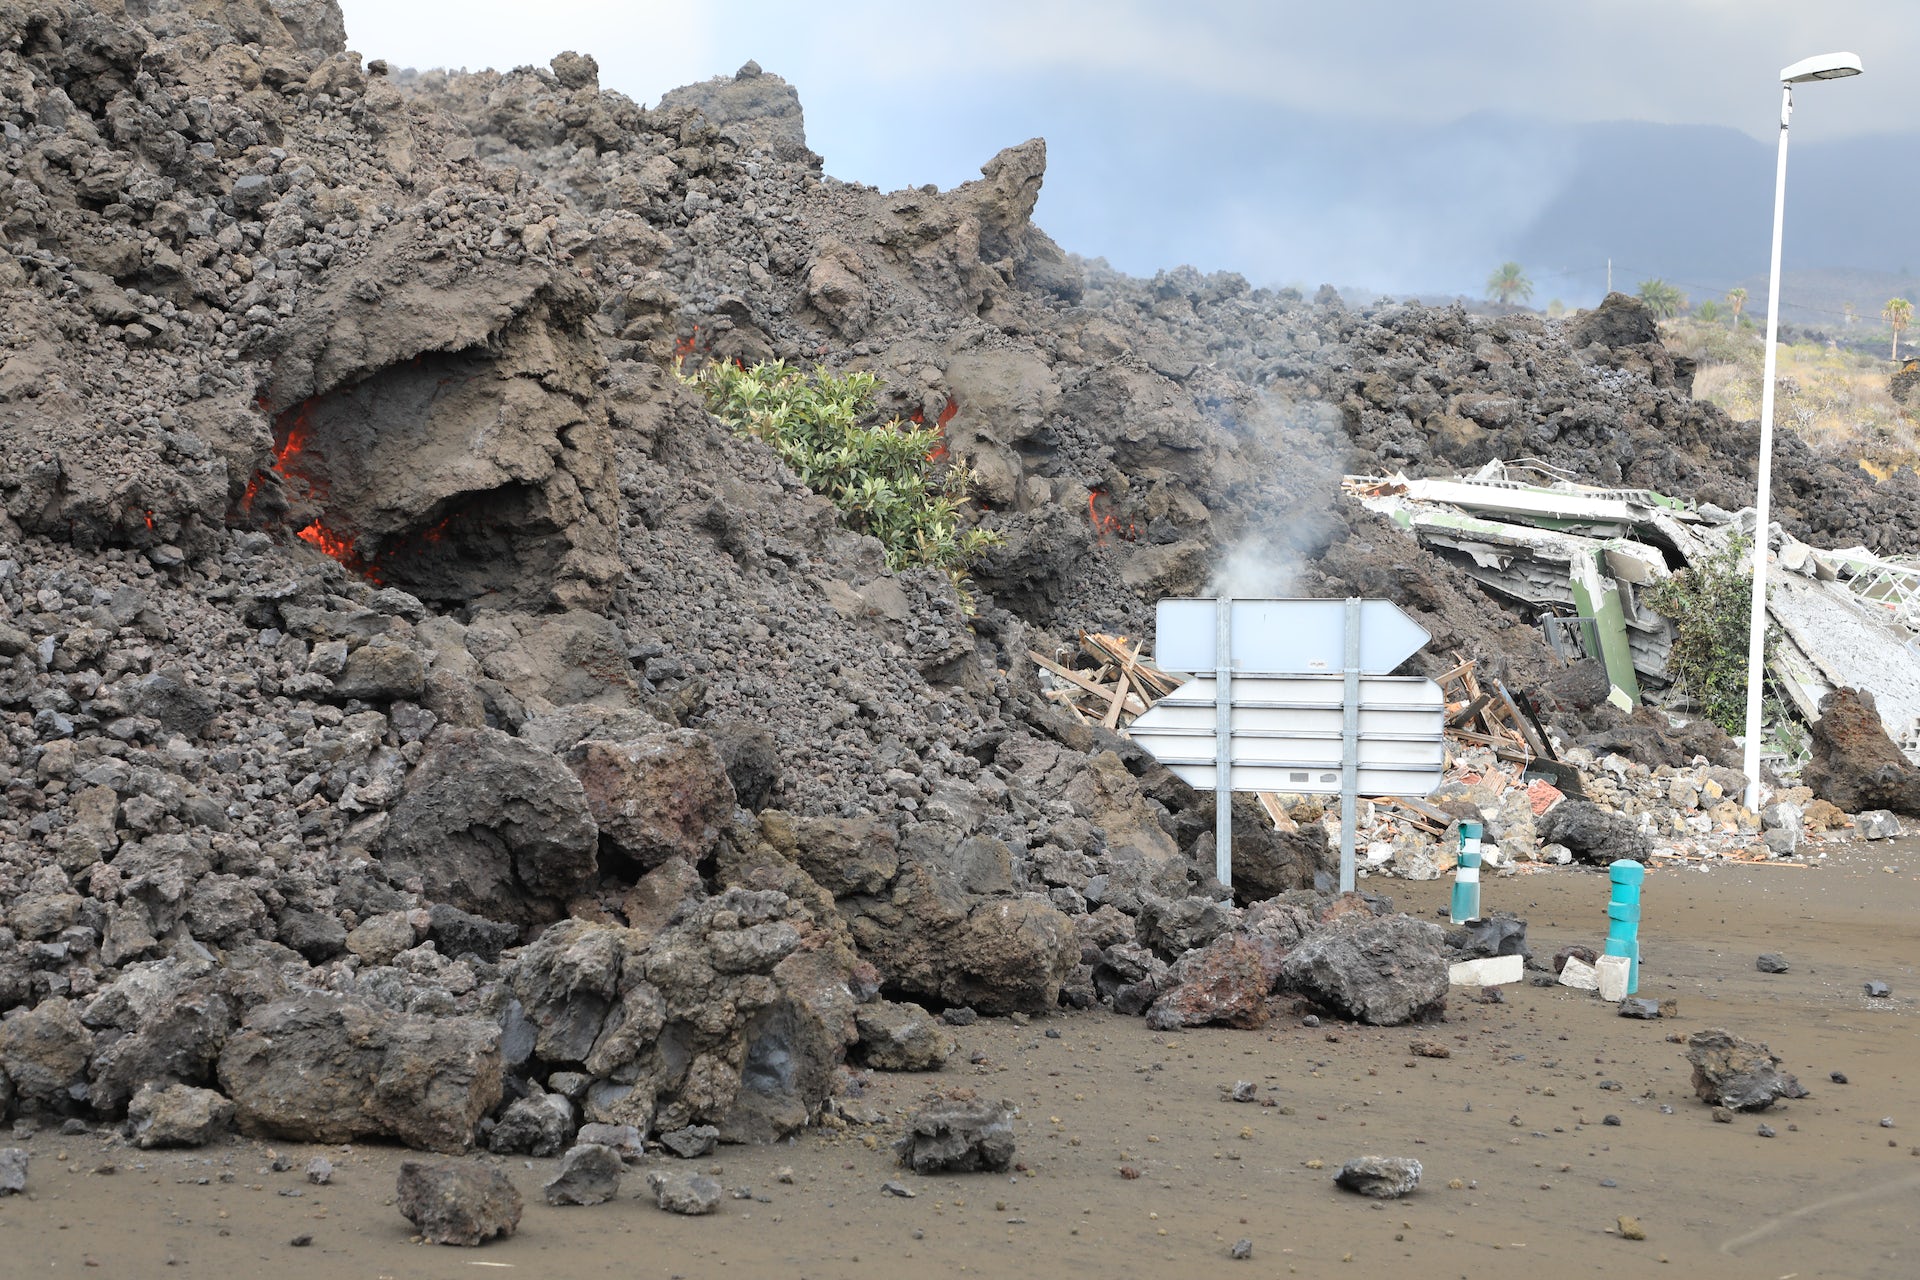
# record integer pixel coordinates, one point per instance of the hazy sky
(903, 93)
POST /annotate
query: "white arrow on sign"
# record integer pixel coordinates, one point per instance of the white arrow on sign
(1287, 734)
(1285, 636)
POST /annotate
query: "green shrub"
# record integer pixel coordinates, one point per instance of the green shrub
(1709, 604)
(888, 479)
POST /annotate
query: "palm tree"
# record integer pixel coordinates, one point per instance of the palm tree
(1736, 298)
(1899, 313)
(1663, 299)
(1509, 285)
(1708, 311)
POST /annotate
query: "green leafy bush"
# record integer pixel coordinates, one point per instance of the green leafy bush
(888, 479)
(1709, 603)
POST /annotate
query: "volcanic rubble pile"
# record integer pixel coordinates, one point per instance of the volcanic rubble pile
(423, 721)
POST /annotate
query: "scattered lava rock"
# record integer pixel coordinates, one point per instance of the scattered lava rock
(457, 1202)
(13, 1170)
(1381, 1177)
(1737, 1074)
(589, 1174)
(684, 1192)
(1383, 971)
(958, 1137)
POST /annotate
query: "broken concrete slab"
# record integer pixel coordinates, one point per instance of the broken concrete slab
(1612, 975)
(1579, 975)
(1488, 972)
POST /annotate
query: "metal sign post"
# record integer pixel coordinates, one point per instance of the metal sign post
(1291, 696)
(1350, 748)
(1223, 739)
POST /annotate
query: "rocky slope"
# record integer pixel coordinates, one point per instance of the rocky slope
(401, 669)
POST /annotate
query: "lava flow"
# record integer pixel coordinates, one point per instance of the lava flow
(1105, 525)
(291, 431)
(939, 450)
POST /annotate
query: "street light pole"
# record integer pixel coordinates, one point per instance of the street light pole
(1830, 66)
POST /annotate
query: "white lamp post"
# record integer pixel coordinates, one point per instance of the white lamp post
(1826, 66)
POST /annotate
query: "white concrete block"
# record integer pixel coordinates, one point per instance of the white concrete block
(1612, 973)
(1492, 972)
(1579, 975)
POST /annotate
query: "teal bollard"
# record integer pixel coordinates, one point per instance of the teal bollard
(1466, 876)
(1623, 917)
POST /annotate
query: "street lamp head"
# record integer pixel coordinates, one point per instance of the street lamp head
(1825, 66)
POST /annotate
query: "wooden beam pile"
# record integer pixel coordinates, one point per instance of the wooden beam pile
(1489, 717)
(1115, 689)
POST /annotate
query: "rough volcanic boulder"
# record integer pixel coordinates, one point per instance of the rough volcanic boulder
(661, 797)
(1594, 834)
(1855, 764)
(1620, 320)
(1102, 791)
(589, 1174)
(44, 1052)
(1225, 984)
(901, 1037)
(457, 1202)
(844, 855)
(540, 1125)
(1737, 1074)
(493, 826)
(573, 659)
(755, 108)
(178, 1116)
(721, 1018)
(1380, 970)
(319, 1069)
(1381, 1177)
(163, 1027)
(439, 416)
(1268, 858)
(958, 1137)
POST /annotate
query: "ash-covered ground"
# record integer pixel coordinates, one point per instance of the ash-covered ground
(424, 722)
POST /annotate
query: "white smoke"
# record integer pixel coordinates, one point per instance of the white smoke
(1267, 560)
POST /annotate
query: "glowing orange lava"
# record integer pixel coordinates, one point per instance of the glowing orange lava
(1106, 525)
(919, 419)
(340, 548)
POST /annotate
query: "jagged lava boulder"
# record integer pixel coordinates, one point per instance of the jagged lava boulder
(493, 825)
(1594, 834)
(1855, 765)
(1380, 970)
(1737, 1074)
(726, 1017)
(321, 1069)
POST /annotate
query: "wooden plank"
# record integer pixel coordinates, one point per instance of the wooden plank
(1503, 748)
(1071, 676)
(1062, 698)
(1534, 742)
(1275, 810)
(1112, 719)
(1472, 709)
(1454, 673)
(1432, 813)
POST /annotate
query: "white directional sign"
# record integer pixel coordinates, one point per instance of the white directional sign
(1287, 734)
(1285, 636)
(1298, 699)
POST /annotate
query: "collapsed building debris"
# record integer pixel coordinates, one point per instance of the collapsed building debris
(1577, 559)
